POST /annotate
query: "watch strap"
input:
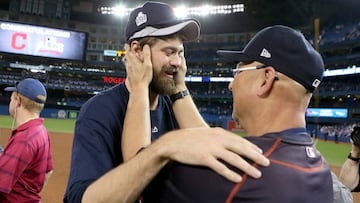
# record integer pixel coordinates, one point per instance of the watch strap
(179, 95)
(353, 158)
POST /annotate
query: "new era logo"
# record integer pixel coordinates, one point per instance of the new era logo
(155, 129)
(265, 53)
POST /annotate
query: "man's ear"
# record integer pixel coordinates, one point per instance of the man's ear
(17, 101)
(136, 48)
(269, 77)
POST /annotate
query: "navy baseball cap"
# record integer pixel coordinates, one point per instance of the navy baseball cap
(158, 19)
(31, 88)
(287, 51)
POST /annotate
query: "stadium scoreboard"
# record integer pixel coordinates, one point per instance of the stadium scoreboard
(32, 40)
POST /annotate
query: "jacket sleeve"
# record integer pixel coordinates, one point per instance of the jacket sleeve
(342, 194)
(76, 191)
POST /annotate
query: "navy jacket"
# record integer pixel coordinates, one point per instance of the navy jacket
(297, 173)
(97, 138)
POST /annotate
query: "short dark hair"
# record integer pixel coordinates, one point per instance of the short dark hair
(152, 40)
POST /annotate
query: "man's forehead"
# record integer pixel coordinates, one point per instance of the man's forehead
(170, 43)
(243, 63)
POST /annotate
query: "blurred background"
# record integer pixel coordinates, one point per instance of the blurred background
(75, 48)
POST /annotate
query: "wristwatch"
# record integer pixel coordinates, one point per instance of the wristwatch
(179, 95)
(353, 158)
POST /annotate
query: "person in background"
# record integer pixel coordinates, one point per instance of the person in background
(349, 173)
(26, 162)
(104, 167)
(273, 83)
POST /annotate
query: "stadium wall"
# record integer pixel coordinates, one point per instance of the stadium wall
(225, 122)
(48, 112)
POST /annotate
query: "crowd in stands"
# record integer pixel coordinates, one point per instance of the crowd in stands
(215, 109)
(210, 71)
(337, 132)
(211, 90)
(335, 85)
(75, 102)
(7, 77)
(332, 86)
(340, 33)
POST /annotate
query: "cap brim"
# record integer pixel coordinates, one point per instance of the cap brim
(190, 29)
(237, 56)
(10, 89)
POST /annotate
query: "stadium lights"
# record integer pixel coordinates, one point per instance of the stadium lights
(180, 11)
(208, 10)
(118, 10)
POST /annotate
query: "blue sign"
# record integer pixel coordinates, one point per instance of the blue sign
(327, 112)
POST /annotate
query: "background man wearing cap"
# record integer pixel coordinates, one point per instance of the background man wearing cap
(26, 162)
(272, 87)
(350, 173)
(154, 43)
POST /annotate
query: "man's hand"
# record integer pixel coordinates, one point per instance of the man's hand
(138, 68)
(208, 146)
(180, 76)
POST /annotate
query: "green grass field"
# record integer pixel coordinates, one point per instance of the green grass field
(52, 125)
(335, 154)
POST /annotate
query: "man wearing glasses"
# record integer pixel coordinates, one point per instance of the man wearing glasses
(273, 83)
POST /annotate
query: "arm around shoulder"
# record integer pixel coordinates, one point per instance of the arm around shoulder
(349, 173)
(133, 175)
(342, 194)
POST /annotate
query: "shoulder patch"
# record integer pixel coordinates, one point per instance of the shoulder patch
(310, 152)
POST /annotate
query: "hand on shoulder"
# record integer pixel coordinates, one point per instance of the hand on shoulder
(207, 146)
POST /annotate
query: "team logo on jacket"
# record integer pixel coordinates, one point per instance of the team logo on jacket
(310, 152)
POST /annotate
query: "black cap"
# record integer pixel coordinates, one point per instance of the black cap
(287, 51)
(158, 19)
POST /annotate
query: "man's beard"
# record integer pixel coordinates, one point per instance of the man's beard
(162, 85)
